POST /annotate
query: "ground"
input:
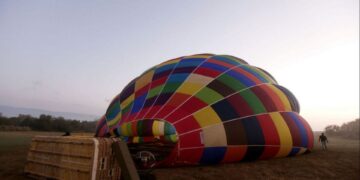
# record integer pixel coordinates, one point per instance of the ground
(341, 161)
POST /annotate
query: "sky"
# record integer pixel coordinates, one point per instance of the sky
(75, 56)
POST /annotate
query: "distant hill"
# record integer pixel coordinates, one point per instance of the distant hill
(9, 111)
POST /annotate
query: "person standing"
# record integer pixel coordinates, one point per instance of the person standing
(323, 140)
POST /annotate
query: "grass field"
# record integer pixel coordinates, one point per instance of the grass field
(341, 161)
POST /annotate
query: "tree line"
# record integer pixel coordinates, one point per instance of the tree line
(346, 130)
(45, 123)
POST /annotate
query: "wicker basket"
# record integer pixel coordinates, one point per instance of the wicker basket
(72, 157)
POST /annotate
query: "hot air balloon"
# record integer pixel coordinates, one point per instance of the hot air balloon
(207, 109)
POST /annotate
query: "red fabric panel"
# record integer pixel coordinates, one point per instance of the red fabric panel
(186, 125)
(193, 104)
(153, 111)
(131, 117)
(265, 98)
(190, 156)
(249, 75)
(294, 130)
(275, 98)
(234, 153)
(177, 115)
(189, 107)
(124, 117)
(240, 105)
(134, 128)
(158, 82)
(166, 110)
(269, 152)
(173, 103)
(271, 136)
(190, 139)
(269, 130)
(142, 91)
(141, 113)
(207, 72)
(170, 160)
(221, 63)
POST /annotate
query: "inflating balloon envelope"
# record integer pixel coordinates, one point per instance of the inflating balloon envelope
(206, 109)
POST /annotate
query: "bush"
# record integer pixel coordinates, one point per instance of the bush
(45, 123)
(346, 130)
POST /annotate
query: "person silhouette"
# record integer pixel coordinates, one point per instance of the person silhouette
(323, 140)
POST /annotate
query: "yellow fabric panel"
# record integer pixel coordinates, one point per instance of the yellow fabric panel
(136, 139)
(214, 136)
(284, 134)
(282, 96)
(158, 128)
(199, 79)
(115, 120)
(144, 80)
(206, 117)
(174, 138)
(189, 88)
(127, 101)
(199, 56)
(169, 62)
(124, 130)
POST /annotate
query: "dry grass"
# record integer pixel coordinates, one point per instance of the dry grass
(341, 161)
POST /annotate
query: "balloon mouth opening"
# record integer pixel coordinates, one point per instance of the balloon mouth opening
(150, 141)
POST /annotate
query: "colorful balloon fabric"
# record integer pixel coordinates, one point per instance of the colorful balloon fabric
(215, 108)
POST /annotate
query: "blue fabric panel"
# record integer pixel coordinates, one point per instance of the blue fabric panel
(165, 67)
(303, 134)
(212, 155)
(193, 62)
(214, 66)
(240, 77)
(251, 71)
(177, 77)
(138, 103)
(225, 110)
(294, 151)
(253, 131)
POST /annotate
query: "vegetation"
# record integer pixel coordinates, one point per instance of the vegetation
(45, 123)
(346, 130)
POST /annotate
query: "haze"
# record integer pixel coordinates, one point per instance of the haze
(75, 56)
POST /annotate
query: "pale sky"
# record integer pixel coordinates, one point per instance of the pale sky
(75, 56)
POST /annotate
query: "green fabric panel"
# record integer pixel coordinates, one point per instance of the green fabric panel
(173, 138)
(155, 91)
(171, 87)
(113, 111)
(231, 82)
(169, 129)
(139, 128)
(231, 60)
(127, 108)
(208, 95)
(253, 101)
(129, 129)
